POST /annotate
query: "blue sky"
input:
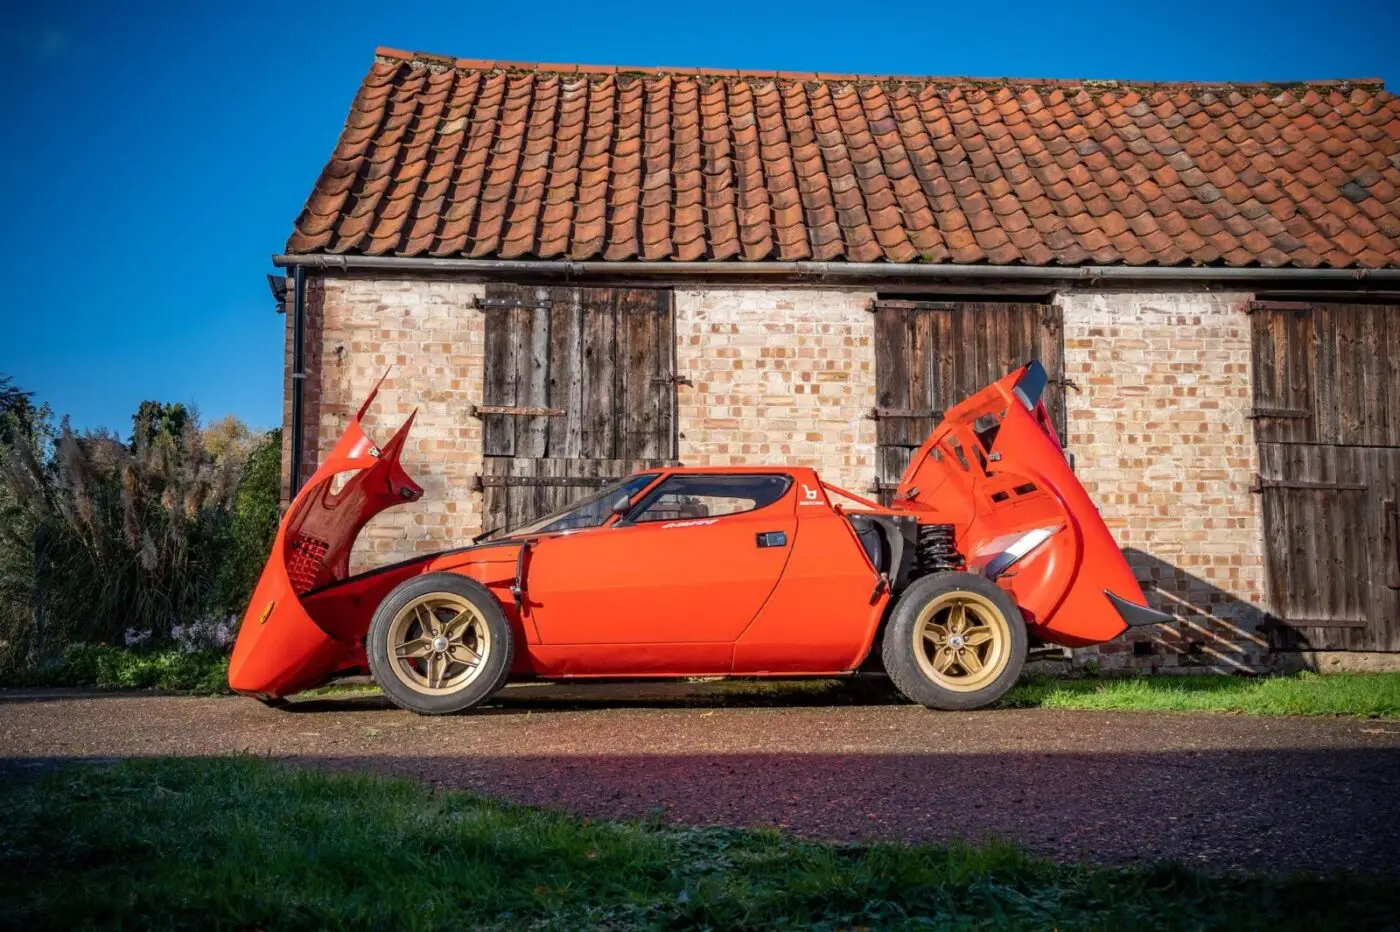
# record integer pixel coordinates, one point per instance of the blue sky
(155, 157)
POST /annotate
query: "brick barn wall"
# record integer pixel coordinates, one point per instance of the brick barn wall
(1158, 427)
(425, 333)
(779, 376)
(1161, 440)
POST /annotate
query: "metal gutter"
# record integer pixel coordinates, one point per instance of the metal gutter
(836, 272)
(298, 370)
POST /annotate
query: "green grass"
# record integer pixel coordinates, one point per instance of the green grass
(243, 843)
(1369, 695)
(104, 667)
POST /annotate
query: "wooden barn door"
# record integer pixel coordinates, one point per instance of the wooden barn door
(580, 391)
(930, 355)
(1327, 421)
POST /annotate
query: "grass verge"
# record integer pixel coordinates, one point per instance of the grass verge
(1369, 695)
(242, 843)
(105, 667)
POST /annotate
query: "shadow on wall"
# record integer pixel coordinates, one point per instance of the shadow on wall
(1217, 632)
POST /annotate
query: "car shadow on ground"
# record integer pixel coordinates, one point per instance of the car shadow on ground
(645, 694)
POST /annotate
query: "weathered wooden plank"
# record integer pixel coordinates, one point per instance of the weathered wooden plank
(664, 381)
(1276, 545)
(1330, 536)
(1257, 413)
(891, 369)
(1347, 386)
(598, 438)
(904, 414)
(1304, 361)
(1309, 485)
(566, 371)
(1387, 617)
(532, 433)
(548, 498)
(1278, 395)
(920, 367)
(1370, 393)
(1388, 366)
(948, 328)
(1383, 550)
(968, 333)
(1263, 374)
(493, 497)
(636, 386)
(1356, 533)
(1315, 352)
(1321, 623)
(1310, 537)
(515, 411)
(498, 434)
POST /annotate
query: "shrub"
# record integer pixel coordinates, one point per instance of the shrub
(136, 540)
(204, 672)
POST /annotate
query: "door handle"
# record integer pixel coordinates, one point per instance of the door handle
(772, 538)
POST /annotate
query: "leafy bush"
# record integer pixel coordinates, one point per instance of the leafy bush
(128, 540)
(98, 665)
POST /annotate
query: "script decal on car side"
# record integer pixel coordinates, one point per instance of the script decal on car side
(695, 522)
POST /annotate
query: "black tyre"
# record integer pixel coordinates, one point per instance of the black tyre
(956, 641)
(439, 644)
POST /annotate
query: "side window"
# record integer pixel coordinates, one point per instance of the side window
(683, 497)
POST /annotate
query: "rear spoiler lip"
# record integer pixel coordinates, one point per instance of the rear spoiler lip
(1137, 616)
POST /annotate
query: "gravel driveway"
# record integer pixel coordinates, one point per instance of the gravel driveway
(1217, 791)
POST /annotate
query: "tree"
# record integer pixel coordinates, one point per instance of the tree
(158, 419)
(17, 412)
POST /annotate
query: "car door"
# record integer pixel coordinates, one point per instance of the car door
(692, 563)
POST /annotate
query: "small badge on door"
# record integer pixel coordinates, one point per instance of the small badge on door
(772, 539)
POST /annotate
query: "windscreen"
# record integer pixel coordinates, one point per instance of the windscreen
(591, 511)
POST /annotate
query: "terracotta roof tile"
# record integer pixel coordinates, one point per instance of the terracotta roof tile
(460, 157)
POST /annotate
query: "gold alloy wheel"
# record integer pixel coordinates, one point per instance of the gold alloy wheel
(962, 641)
(438, 643)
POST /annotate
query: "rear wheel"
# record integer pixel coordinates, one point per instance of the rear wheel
(439, 644)
(955, 641)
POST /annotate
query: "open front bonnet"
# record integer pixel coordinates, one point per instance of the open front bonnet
(320, 528)
(281, 647)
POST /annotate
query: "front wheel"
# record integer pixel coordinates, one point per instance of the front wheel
(439, 644)
(955, 641)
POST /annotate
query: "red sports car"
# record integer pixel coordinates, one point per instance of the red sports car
(989, 542)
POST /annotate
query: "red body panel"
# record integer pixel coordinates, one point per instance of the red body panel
(826, 601)
(786, 589)
(1022, 483)
(672, 582)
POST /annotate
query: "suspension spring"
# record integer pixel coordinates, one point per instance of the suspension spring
(936, 551)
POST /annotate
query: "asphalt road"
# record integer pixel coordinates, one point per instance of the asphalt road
(1274, 794)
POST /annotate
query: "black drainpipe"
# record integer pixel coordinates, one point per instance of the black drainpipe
(298, 375)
